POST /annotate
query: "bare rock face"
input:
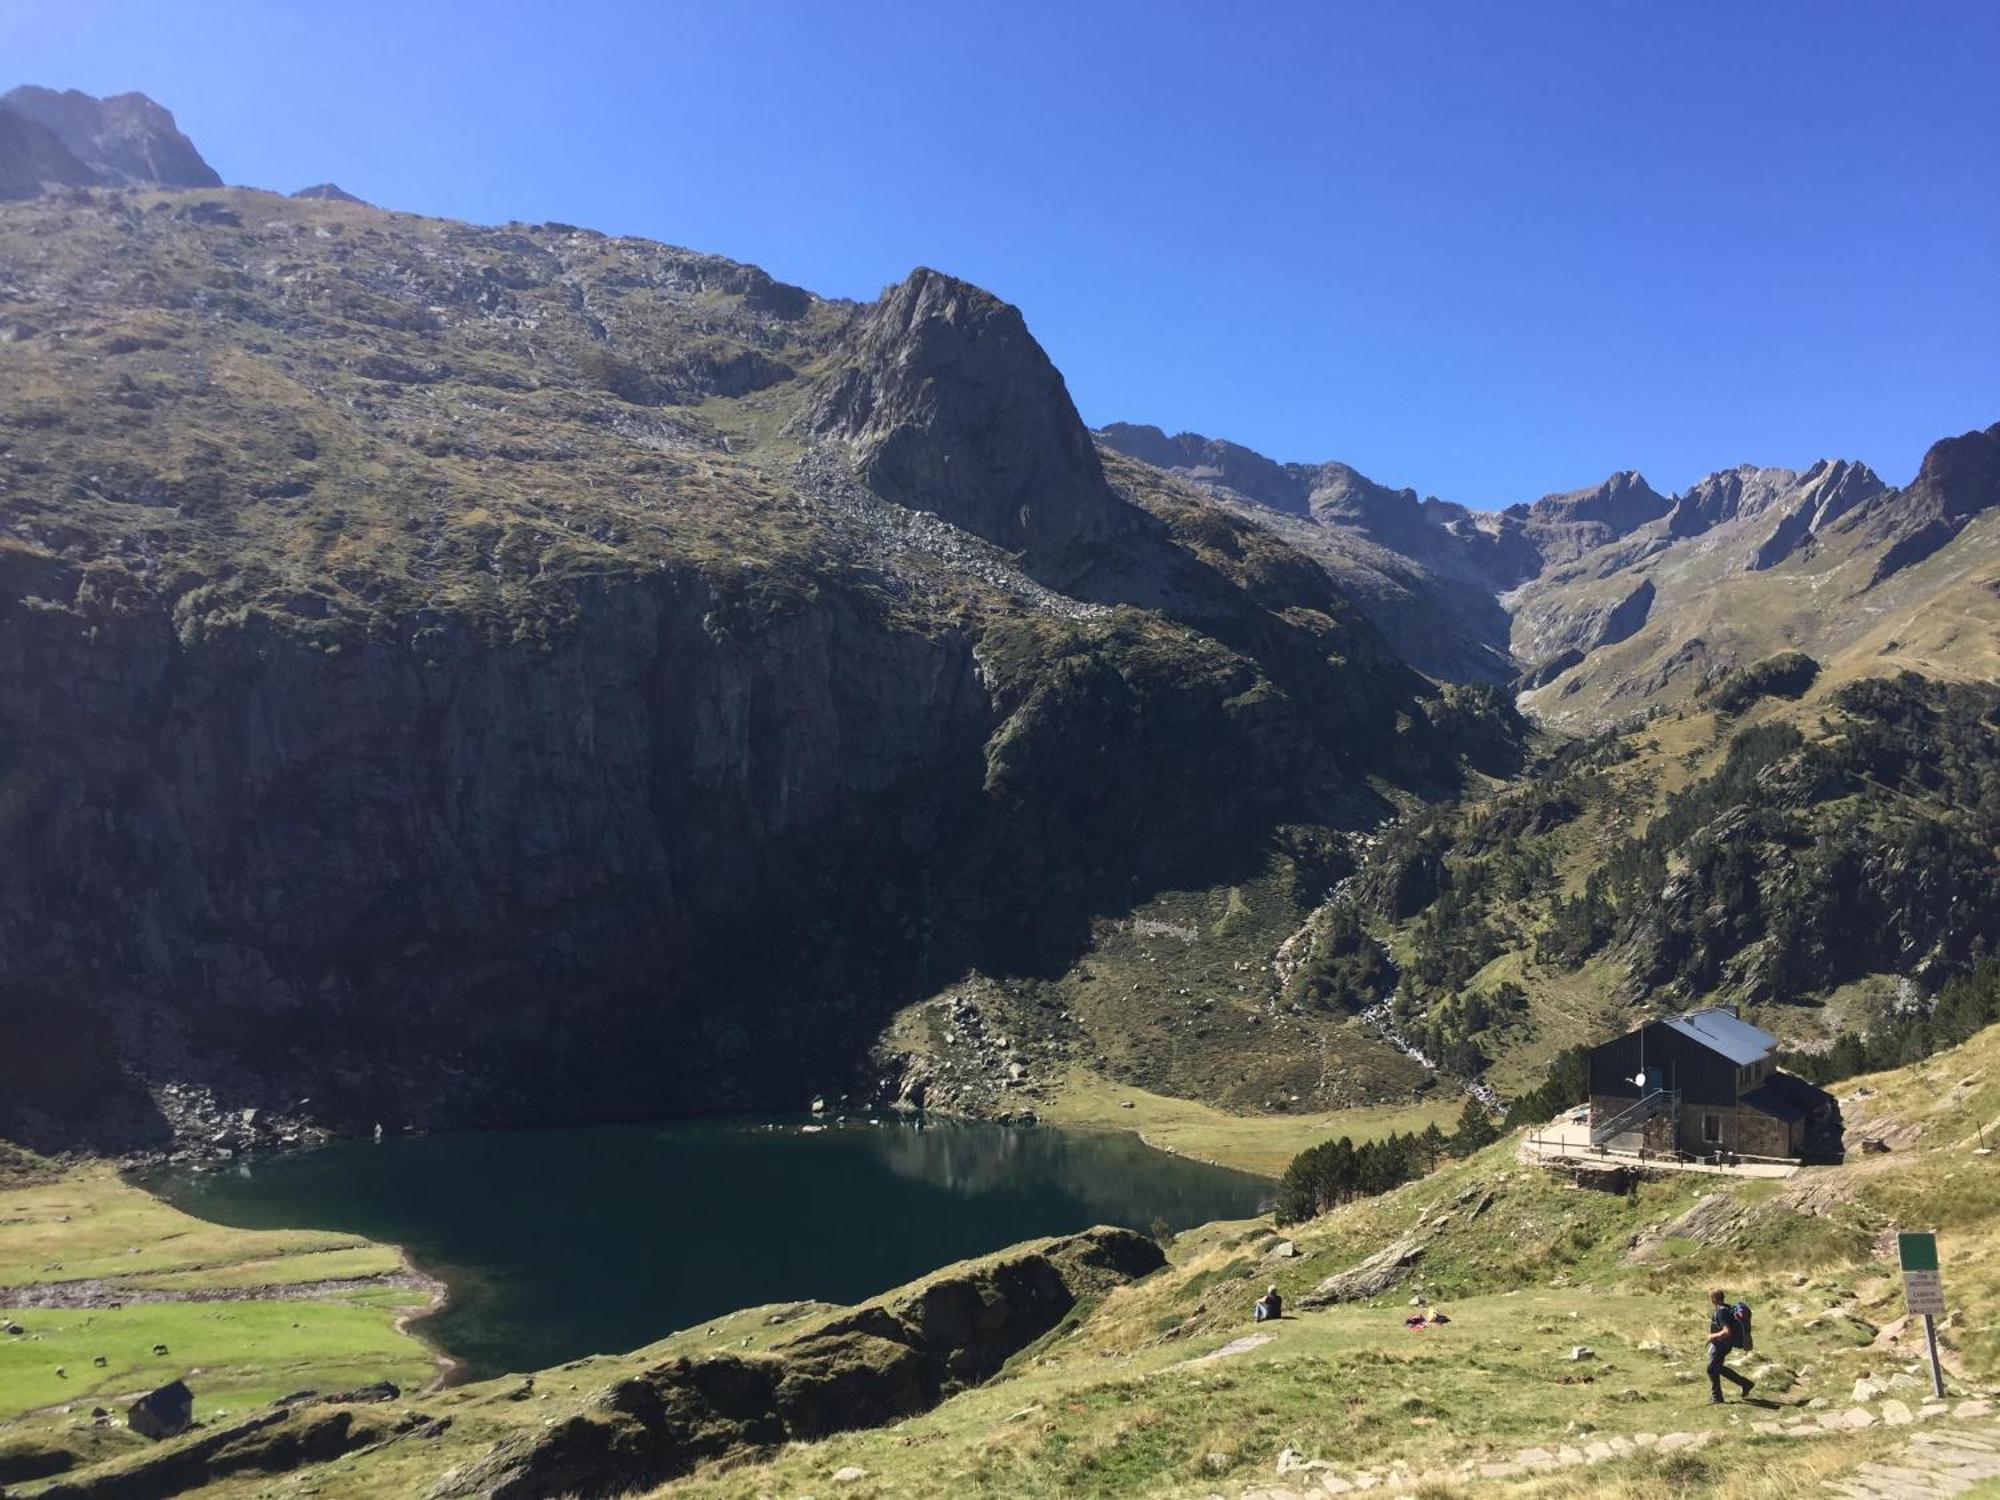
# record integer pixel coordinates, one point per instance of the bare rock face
(1723, 496)
(947, 404)
(1424, 570)
(643, 769)
(1566, 526)
(1959, 478)
(34, 159)
(862, 1367)
(1820, 496)
(126, 138)
(1560, 627)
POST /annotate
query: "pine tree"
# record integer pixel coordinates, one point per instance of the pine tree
(1475, 1129)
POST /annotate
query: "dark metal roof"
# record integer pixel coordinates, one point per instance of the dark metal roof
(1722, 1031)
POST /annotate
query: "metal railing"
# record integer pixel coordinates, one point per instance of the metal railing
(1648, 1108)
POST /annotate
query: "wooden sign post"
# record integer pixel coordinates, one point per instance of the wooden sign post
(1923, 1292)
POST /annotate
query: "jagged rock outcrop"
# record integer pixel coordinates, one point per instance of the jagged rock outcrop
(861, 1367)
(1823, 494)
(1530, 594)
(1745, 490)
(277, 1441)
(125, 138)
(947, 404)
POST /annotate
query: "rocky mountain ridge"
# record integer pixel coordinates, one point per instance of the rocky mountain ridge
(1529, 592)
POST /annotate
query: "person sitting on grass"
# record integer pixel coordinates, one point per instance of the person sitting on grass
(1270, 1305)
(1723, 1337)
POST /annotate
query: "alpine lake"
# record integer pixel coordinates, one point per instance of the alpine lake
(560, 1243)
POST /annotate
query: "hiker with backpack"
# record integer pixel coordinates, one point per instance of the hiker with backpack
(1728, 1330)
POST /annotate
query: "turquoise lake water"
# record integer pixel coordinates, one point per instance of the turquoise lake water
(561, 1243)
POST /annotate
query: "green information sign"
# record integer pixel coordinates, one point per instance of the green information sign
(1923, 1292)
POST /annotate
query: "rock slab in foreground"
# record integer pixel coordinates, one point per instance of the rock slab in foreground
(859, 1367)
(1370, 1278)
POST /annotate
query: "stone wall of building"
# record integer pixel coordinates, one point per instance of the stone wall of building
(1761, 1135)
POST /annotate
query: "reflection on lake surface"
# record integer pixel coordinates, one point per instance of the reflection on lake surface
(560, 1243)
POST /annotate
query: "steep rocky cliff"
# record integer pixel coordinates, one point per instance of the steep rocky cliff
(455, 674)
(125, 138)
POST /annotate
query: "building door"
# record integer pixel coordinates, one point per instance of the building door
(1711, 1129)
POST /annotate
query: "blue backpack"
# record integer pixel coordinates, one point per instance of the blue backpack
(1740, 1316)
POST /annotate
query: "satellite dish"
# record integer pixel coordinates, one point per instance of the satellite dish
(1640, 1078)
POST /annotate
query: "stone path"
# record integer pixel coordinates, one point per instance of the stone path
(1941, 1461)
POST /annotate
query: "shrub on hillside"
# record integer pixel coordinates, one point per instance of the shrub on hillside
(1786, 675)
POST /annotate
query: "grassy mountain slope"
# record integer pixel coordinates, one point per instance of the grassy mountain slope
(1161, 1387)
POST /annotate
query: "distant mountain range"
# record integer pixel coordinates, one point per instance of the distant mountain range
(1746, 562)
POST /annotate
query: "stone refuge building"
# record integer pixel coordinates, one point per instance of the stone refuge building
(1703, 1085)
(163, 1413)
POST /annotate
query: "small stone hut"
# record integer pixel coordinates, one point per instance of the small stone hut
(163, 1413)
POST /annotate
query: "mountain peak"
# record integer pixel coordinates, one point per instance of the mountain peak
(1623, 502)
(948, 404)
(125, 138)
(1962, 473)
(329, 192)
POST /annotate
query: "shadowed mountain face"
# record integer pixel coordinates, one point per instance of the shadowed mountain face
(1603, 600)
(459, 674)
(33, 158)
(124, 139)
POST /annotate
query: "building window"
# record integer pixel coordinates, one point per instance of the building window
(1711, 1129)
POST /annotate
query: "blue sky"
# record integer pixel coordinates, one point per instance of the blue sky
(1486, 249)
